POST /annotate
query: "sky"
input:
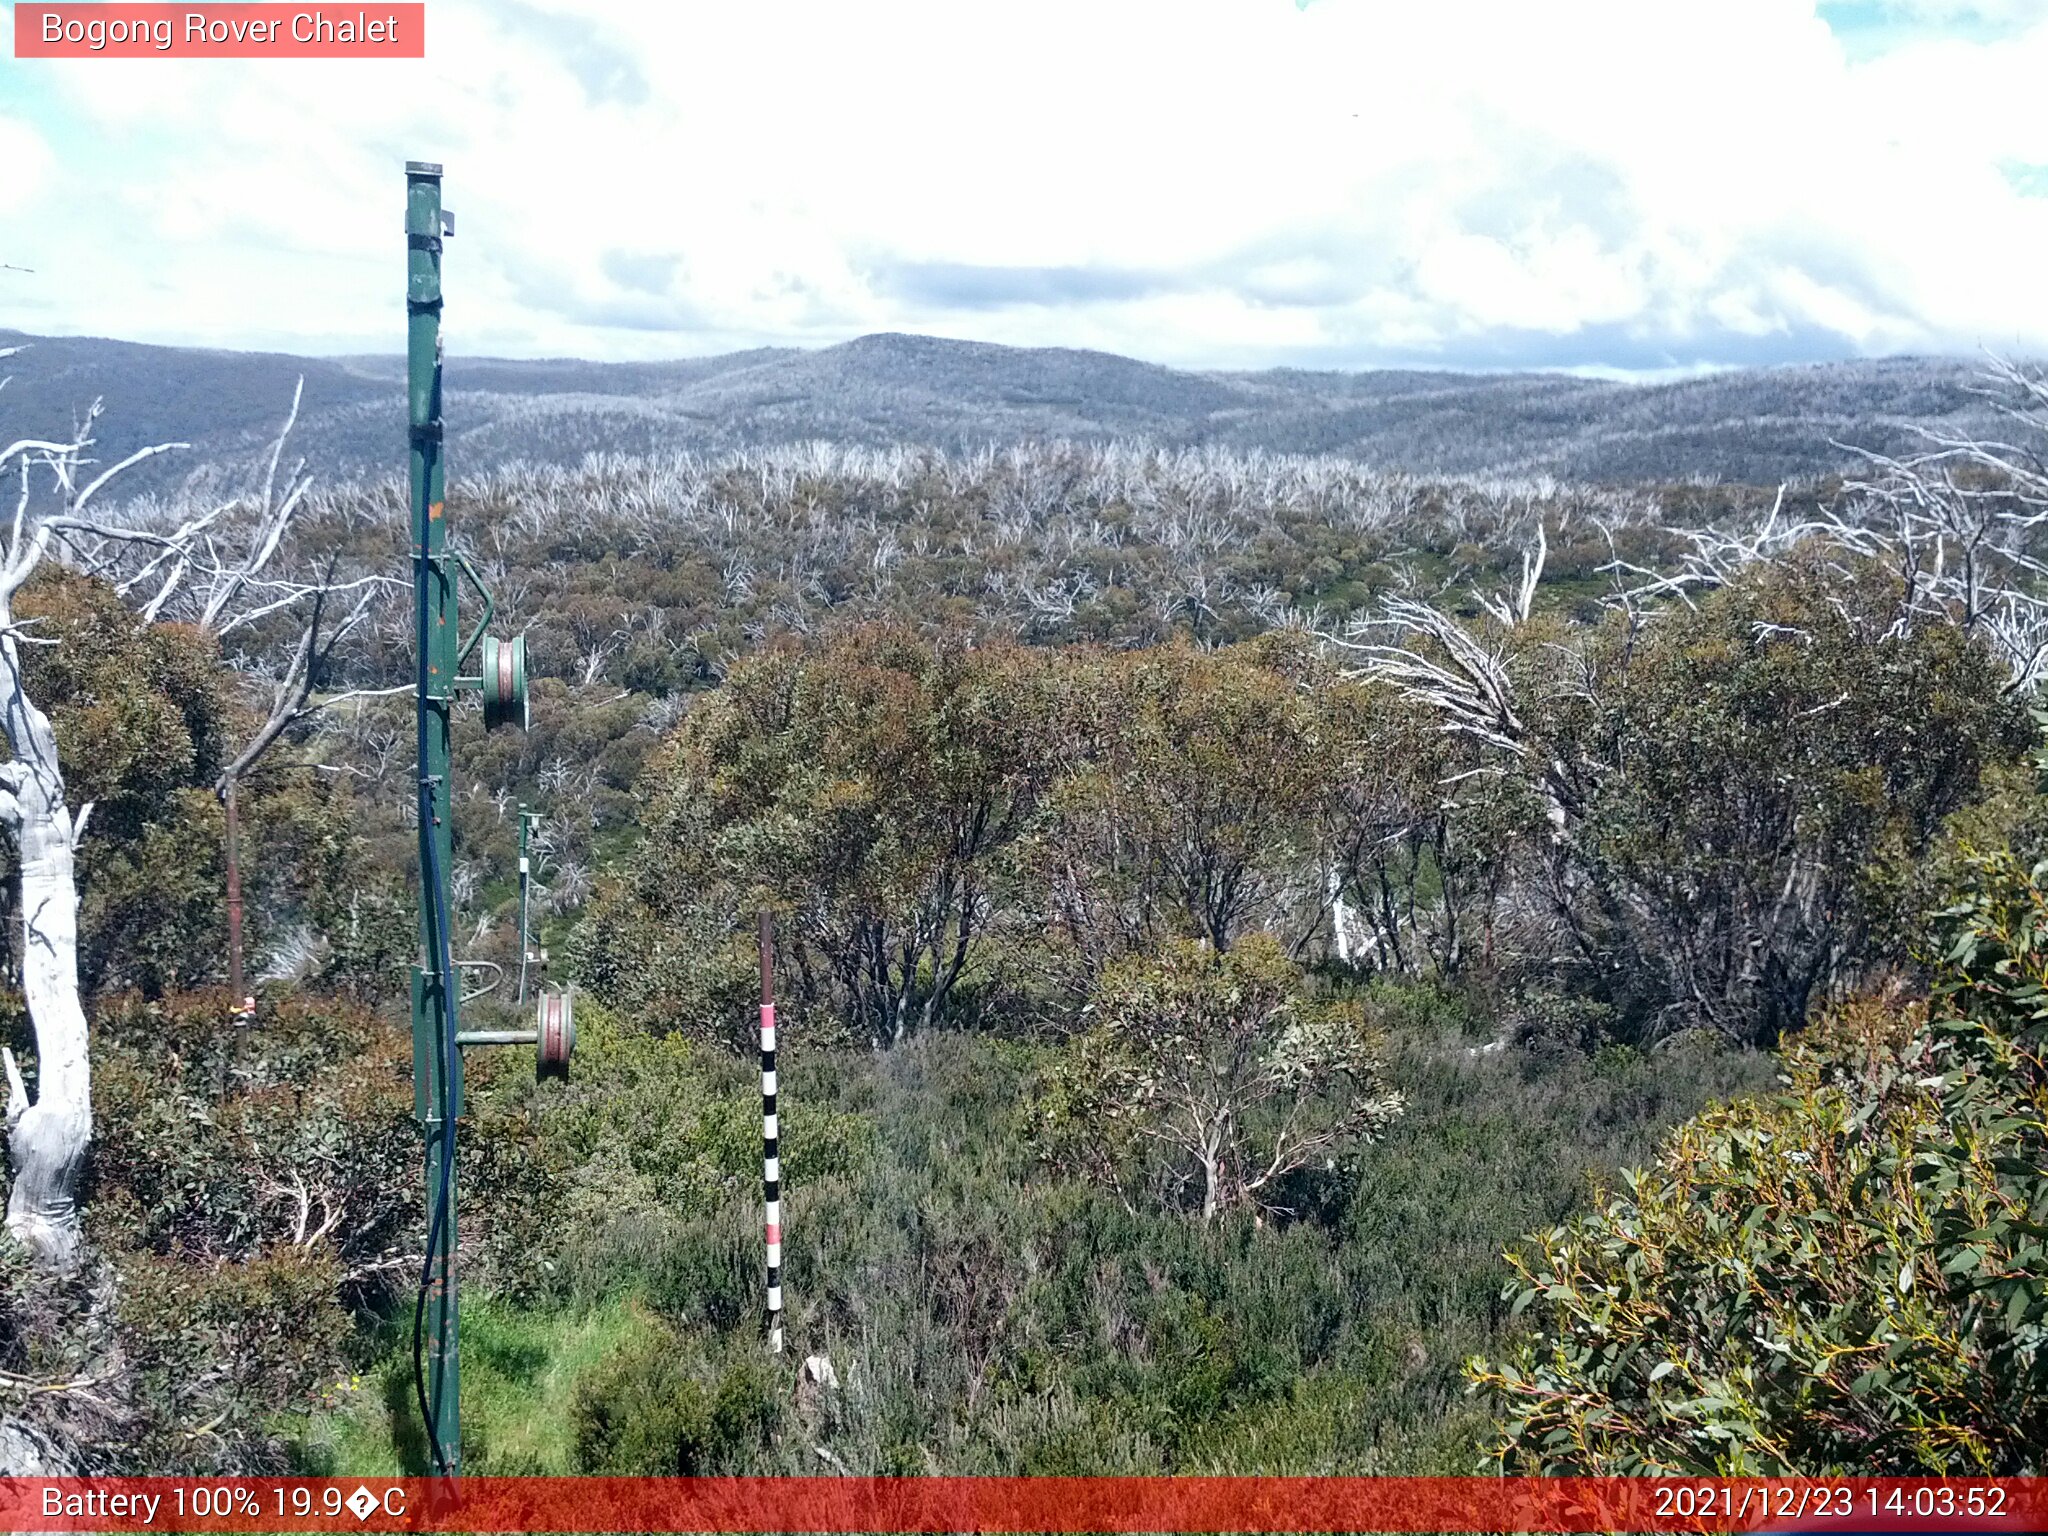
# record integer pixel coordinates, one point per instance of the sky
(1628, 187)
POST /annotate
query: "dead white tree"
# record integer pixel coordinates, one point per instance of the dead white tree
(1961, 526)
(234, 590)
(1963, 522)
(47, 1136)
(1462, 673)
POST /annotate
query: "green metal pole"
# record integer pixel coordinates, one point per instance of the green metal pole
(437, 1069)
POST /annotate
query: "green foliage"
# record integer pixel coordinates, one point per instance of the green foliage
(2008, 815)
(860, 789)
(1737, 774)
(522, 1368)
(1424, 837)
(139, 709)
(220, 1359)
(954, 832)
(1849, 1277)
(1184, 787)
(657, 1127)
(987, 1316)
(246, 1187)
(246, 1184)
(1710, 822)
(1209, 1072)
(219, 1141)
(372, 933)
(1119, 854)
(254, 1194)
(144, 1364)
(646, 1414)
(145, 718)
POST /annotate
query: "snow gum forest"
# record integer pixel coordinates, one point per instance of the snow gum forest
(1286, 965)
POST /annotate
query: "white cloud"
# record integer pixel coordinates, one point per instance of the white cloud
(24, 164)
(1228, 182)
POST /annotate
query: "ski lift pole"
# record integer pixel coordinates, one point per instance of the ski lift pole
(437, 1062)
(245, 1003)
(500, 680)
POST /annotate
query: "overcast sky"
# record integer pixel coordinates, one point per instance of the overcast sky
(1630, 186)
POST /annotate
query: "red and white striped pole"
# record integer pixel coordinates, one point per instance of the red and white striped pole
(771, 1160)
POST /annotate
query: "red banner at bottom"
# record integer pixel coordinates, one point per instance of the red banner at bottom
(888, 1504)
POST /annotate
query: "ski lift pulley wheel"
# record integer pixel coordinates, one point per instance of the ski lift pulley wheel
(504, 682)
(556, 1034)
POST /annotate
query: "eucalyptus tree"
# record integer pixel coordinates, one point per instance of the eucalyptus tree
(868, 786)
(1181, 801)
(1208, 1078)
(1723, 758)
(1891, 1193)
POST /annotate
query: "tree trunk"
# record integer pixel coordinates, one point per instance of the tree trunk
(46, 1139)
(1211, 1155)
(234, 851)
(1340, 914)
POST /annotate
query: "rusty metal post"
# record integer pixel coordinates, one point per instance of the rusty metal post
(243, 1002)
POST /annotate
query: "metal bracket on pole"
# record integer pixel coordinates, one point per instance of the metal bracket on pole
(498, 975)
(483, 621)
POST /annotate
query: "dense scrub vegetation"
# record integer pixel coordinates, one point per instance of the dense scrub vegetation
(963, 832)
(985, 1314)
(148, 715)
(1225, 903)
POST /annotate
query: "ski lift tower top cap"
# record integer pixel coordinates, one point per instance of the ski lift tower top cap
(422, 168)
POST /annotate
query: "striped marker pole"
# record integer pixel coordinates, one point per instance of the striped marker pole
(771, 1160)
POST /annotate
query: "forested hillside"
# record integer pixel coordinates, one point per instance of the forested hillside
(1229, 902)
(1755, 426)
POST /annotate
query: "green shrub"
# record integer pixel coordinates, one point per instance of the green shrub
(1210, 1077)
(146, 717)
(221, 1359)
(646, 1413)
(1849, 1277)
(215, 1140)
(657, 1127)
(864, 786)
(710, 1268)
(254, 1194)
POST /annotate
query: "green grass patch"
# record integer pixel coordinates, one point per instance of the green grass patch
(519, 1373)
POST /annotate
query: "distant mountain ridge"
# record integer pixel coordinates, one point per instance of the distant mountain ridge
(1755, 426)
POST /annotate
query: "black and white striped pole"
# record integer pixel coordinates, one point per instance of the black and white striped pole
(771, 1160)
